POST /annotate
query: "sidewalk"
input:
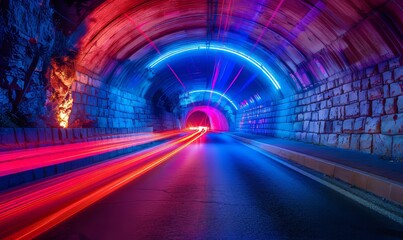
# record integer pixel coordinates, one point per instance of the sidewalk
(366, 171)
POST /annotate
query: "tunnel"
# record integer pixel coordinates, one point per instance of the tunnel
(216, 119)
(198, 119)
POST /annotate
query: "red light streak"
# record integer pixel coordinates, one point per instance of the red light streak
(153, 45)
(27, 212)
(143, 33)
(24, 160)
(268, 23)
(176, 76)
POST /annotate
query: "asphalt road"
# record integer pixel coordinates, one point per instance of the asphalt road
(218, 188)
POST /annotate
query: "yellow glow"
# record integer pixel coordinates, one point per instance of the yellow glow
(64, 112)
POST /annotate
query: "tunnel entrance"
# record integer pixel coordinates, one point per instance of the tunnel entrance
(206, 116)
(198, 119)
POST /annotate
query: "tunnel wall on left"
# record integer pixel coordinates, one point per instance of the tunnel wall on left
(96, 104)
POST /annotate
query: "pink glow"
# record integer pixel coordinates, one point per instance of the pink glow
(218, 122)
(25, 160)
(29, 211)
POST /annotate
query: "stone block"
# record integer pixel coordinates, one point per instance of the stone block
(365, 108)
(371, 71)
(298, 126)
(357, 85)
(353, 96)
(355, 142)
(378, 107)
(307, 116)
(309, 137)
(323, 88)
(56, 135)
(392, 124)
(77, 133)
(314, 127)
(337, 91)
(344, 141)
(373, 125)
(375, 81)
(7, 136)
(353, 110)
(337, 126)
(365, 84)
(336, 113)
(382, 145)
(344, 99)
(41, 136)
(306, 126)
(375, 93)
(330, 85)
(316, 138)
(397, 74)
(80, 87)
(336, 101)
(49, 135)
(384, 66)
(387, 77)
(362, 96)
(386, 92)
(390, 106)
(394, 63)
(400, 104)
(332, 140)
(31, 135)
(324, 114)
(359, 125)
(397, 147)
(396, 89)
(366, 143)
(326, 127)
(63, 134)
(347, 87)
(348, 126)
(315, 116)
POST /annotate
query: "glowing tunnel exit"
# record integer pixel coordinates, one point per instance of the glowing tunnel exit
(206, 116)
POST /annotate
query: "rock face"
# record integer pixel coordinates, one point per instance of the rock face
(36, 67)
(60, 101)
(26, 42)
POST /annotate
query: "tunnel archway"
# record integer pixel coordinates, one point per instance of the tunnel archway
(212, 116)
(198, 119)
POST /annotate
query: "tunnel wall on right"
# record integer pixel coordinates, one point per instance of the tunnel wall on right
(360, 111)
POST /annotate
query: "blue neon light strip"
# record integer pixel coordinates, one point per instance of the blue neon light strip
(258, 64)
(215, 92)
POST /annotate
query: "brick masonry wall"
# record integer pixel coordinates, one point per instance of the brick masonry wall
(360, 111)
(99, 105)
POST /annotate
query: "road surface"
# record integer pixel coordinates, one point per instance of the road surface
(217, 188)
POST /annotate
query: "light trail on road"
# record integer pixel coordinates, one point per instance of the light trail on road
(24, 160)
(29, 211)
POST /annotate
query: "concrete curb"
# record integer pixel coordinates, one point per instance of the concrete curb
(380, 186)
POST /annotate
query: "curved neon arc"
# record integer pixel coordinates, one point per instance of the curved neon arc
(217, 93)
(258, 64)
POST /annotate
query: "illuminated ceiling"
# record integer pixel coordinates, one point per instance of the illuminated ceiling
(299, 42)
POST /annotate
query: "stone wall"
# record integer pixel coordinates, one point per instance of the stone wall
(360, 111)
(99, 105)
(27, 37)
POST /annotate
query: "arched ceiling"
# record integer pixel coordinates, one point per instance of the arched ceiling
(300, 41)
